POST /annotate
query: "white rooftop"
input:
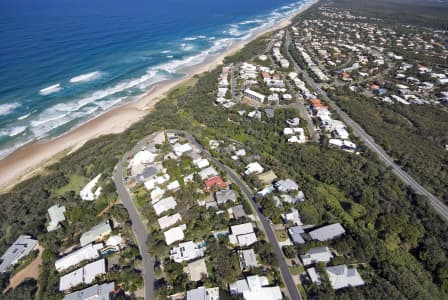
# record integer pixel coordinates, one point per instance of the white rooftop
(85, 253)
(327, 232)
(56, 214)
(85, 275)
(208, 172)
(168, 221)
(175, 234)
(254, 167)
(95, 233)
(87, 193)
(95, 292)
(341, 276)
(316, 255)
(21, 248)
(164, 205)
(186, 251)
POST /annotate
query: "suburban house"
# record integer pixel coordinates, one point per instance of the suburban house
(175, 234)
(97, 233)
(253, 168)
(85, 253)
(267, 177)
(224, 196)
(168, 221)
(285, 186)
(296, 234)
(95, 292)
(208, 172)
(56, 214)
(248, 259)
(186, 251)
(180, 149)
(85, 275)
(87, 193)
(341, 276)
(21, 248)
(164, 205)
(316, 255)
(314, 277)
(237, 212)
(196, 270)
(255, 288)
(202, 293)
(254, 95)
(293, 216)
(243, 235)
(140, 160)
(214, 181)
(327, 232)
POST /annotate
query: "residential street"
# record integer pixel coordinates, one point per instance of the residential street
(368, 140)
(138, 227)
(290, 285)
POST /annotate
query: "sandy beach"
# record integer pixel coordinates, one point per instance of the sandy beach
(31, 158)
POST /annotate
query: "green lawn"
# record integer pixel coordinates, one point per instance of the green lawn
(281, 235)
(75, 184)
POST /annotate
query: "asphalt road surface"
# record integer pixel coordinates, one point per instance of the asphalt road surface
(290, 285)
(138, 227)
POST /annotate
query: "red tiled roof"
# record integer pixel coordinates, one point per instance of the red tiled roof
(217, 180)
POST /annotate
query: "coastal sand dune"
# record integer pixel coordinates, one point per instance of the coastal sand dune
(29, 159)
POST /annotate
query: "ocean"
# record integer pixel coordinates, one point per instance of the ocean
(64, 62)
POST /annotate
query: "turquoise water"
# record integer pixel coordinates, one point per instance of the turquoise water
(63, 62)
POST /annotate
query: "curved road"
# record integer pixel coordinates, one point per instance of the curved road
(369, 141)
(290, 285)
(138, 227)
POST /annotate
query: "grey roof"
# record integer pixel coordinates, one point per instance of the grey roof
(286, 185)
(21, 248)
(149, 171)
(327, 232)
(196, 294)
(296, 234)
(225, 195)
(238, 212)
(238, 287)
(95, 232)
(247, 259)
(269, 113)
(211, 204)
(95, 292)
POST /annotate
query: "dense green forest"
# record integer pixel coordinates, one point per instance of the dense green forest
(397, 238)
(414, 135)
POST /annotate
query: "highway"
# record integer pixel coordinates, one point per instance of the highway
(138, 227)
(369, 141)
(287, 278)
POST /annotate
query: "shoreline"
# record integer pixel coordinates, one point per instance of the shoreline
(31, 158)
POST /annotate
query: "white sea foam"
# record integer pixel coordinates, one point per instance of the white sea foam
(256, 21)
(105, 105)
(24, 117)
(186, 47)
(13, 131)
(165, 51)
(63, 113)
(193, 38)
(51, 89)
(178, 64)
(86, 77)
(7, 108)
